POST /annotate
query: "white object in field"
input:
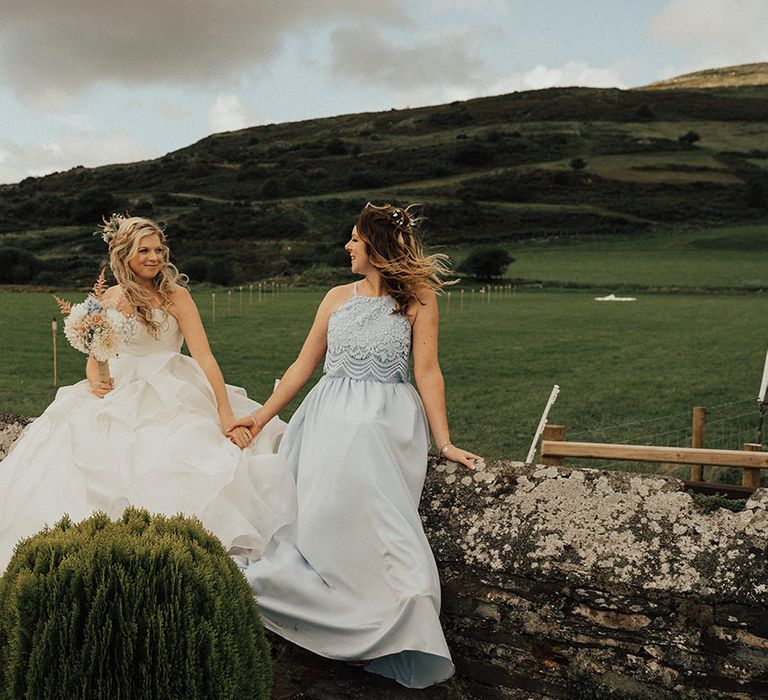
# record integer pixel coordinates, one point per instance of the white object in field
(277, 381)
(542, 423)
(764, 383)
(613, 297)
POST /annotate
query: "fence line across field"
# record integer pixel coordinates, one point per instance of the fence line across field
(750, 458)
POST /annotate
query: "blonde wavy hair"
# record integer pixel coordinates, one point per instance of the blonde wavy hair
(393, 242)
(123, 235)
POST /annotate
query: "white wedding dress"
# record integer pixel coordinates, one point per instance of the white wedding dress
(153, 442)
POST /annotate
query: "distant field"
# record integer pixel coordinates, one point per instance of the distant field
(616, 363)
(726, 257)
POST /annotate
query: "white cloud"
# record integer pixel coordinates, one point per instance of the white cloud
(52, 51)
(78, 122)
(572, 74)
(445, 67)
(444, 60)
(90, 149)
(719, 32)
(229, 114)
(171, 111)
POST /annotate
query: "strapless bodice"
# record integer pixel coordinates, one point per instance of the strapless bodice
(169, 337)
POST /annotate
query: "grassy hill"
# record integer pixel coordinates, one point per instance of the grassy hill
(730, 76)
(280, 199)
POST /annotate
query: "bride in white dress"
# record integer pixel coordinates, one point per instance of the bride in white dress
(152, 436)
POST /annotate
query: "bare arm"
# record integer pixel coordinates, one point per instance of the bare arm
(299, 373)
(99, 387)
(429, 377)
(188, 317)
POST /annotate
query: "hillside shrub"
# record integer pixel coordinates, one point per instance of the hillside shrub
(486, 263)
(142, 607)
(472, 153)
(578, 164)
(360, 179)
(336, 147)
(336, 257)
(17, 266)
(453, 115)
(93, 204)
(689, 138)
(221, 271)
(196, 268)
(757, 194)
(271, 189)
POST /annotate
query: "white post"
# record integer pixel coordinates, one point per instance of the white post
(542, 423)
(54, 326)
(764, 383)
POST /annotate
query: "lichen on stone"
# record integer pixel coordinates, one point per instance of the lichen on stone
(596, 526)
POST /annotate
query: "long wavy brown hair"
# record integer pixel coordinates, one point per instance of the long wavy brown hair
(123, 234)
(393, 240)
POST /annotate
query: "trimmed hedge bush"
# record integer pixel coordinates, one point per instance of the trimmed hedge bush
(143, 607)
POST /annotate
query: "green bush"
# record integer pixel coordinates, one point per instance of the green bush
(17, 265)
(196, 268)
(143, 607)
(91, 205)
(221, 271)
(486, 263)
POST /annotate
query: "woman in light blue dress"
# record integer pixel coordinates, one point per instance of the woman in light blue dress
(353, 577)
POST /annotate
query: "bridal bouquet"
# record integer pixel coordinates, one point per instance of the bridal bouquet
(95, 327)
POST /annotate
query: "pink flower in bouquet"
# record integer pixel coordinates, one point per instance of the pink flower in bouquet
(95, 327)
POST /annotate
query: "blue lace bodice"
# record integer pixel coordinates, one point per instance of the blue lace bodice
(367, 341)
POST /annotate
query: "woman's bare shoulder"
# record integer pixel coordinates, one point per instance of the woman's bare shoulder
(342, 291)
(335, 297)
(424, 294)
(179, 291)
(113, 294)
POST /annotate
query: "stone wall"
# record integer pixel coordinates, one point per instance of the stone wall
(576, 583)
(11, 426)
(567, 583)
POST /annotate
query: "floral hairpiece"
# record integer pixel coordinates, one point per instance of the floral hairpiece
(108, 230)
(400, 219)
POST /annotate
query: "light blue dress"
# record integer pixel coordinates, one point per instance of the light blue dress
(353, 576)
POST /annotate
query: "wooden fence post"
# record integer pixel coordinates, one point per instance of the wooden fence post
(553, 432)
(697, 439)
(751, 477)
(54, 327)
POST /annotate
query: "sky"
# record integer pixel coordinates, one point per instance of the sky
(90, 82)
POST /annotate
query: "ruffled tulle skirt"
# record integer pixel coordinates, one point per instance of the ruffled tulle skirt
(154, 442)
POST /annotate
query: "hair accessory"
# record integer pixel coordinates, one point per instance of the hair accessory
(108, 229)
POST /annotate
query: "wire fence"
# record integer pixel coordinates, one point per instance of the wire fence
(728, 426)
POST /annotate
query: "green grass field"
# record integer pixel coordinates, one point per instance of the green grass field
(616, 362)
(733, 257)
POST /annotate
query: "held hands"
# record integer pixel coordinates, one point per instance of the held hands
(250, 422)
(456, 454)
(101, 388)
(239, 436)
